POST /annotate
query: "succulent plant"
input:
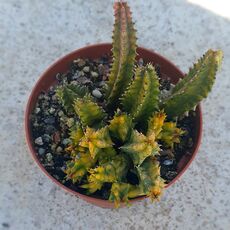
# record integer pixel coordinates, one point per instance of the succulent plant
(195, 86)
(125, 135)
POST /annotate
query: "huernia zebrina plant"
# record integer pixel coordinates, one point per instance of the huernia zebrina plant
(124, 133)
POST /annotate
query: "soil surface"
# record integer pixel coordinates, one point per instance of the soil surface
(50, 122)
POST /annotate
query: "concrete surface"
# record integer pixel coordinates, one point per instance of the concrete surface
(35, 33)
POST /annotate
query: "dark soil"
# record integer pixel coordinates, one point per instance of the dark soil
(50, 122)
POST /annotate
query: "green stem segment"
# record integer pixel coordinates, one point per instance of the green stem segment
(141, 98)
(195, 86)
(124, 53)
(89, 112)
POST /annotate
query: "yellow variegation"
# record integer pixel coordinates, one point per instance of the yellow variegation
(120, 127)
(170, 134)
(140, 147)
(78, 167)
(155, 123)
(89, 112)
(92, 186)
(76, 133)
(106, 155)
(95, 140)
(122, 192)
(112, 171)
(150, 179)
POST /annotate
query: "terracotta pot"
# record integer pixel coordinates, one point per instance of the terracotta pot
(94, 51)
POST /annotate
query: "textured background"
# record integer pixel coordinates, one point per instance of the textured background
(33, 34)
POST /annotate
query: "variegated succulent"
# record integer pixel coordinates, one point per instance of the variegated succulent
(124, 134)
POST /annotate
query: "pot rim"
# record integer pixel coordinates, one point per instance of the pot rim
(104, 203)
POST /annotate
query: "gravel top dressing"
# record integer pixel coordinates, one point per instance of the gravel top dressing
(50, 123)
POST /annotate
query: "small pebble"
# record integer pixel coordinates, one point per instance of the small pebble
(168, 162)
(59, 149)
(106, 86)
(63, 168)
(37, 110)
(167, 152)
(63, 119)
(79, 62)
(70, 122)
(83, 80)
(41, 96)
(56, 137)
(50, 129)
(141, 62)
(46, 97)
(172, 85)
(101, 83)
(46, 138)
(54, 97)
(45, 113)
(74, 83)
(38, 141)
(53, 147)
(49, 157)
(96, 93)
(50, 120)
(66, 141)
(94, 74)
(105, 77)
(78, 74)
(101, 69)
(35, 124)
(60, 113)
(58, 76)
(52, 110)
(51, 91)
(41, 151)
(170, 175)
(86, 69)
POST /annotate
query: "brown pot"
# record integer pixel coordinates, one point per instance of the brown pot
(95, 51)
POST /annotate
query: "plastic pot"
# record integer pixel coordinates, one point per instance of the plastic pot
(95, 51)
